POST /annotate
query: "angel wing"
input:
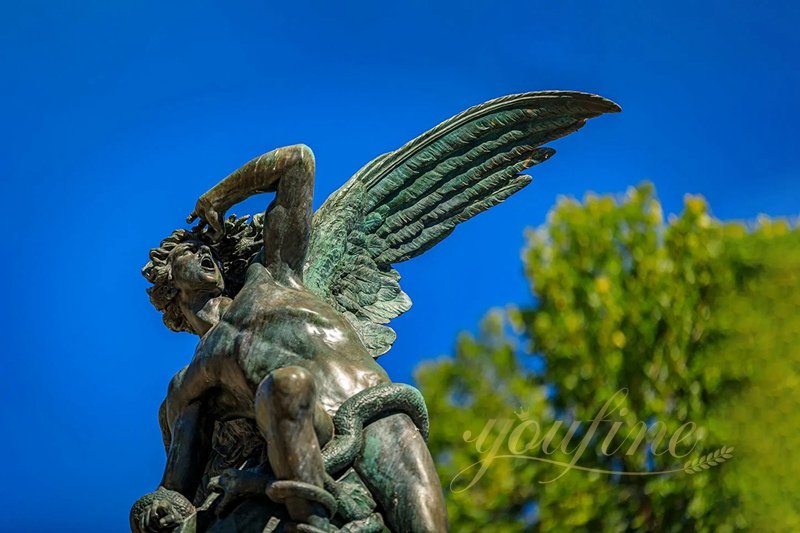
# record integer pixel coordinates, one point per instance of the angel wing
(402, 203)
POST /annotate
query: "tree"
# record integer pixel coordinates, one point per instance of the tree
(695, 320)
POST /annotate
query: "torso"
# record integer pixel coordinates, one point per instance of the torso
(273, 324)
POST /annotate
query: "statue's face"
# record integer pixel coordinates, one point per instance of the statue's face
(195, 270)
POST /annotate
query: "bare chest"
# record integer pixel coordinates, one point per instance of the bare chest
(269, 327)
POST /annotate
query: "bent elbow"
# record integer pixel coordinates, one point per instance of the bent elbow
(300, 155)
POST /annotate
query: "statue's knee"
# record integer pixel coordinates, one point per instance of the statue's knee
(293, 380)
(286, 392)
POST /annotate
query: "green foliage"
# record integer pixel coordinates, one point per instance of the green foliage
(695, 319)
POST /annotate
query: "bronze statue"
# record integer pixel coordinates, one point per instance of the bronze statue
(283, 420)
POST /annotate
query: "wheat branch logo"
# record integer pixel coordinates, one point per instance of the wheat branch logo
(714, 458)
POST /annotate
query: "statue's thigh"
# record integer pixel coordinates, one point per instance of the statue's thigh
(287, 393)
(398, 469)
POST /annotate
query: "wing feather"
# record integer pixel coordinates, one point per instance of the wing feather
(404, 202)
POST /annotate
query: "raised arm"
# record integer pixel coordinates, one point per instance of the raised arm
(288, 172)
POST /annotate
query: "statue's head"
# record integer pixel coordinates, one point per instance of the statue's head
(194, 269)
(190, 266)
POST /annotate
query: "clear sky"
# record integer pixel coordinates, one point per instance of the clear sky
(119, 114)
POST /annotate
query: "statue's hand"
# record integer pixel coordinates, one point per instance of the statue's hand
(236, 485)
(208, 215)
(160, 511)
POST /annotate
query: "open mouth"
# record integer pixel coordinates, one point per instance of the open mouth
(207, 263)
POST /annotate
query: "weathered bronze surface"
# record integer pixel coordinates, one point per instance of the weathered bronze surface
(283, 420)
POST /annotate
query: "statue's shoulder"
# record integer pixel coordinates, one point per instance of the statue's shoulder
(257, 279)
(257, 273)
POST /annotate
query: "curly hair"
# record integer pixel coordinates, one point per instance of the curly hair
(242, 240)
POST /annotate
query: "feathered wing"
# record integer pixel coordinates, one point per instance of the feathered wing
(404, 202)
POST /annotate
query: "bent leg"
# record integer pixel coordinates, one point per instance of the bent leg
(285, 411)
(398, 469)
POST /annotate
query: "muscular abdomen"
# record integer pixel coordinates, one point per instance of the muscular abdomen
(278, 326)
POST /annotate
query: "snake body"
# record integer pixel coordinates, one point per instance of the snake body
(360, 409)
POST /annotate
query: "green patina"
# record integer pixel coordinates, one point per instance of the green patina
(283, 393)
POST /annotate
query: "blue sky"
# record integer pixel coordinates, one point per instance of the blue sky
(119, 114)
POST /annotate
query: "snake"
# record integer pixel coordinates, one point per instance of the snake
(363, 407)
